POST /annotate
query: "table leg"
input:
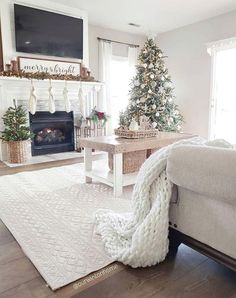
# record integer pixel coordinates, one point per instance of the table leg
(88, 163)
(117, 174)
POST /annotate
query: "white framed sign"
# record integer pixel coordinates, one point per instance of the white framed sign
(54, 67)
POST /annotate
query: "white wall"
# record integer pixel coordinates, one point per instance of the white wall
(190, 66)
(7, 25)
(118, 49)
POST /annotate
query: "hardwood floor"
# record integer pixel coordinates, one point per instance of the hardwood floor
(188, 274)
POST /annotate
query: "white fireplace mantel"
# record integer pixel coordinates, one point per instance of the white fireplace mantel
(19, 89)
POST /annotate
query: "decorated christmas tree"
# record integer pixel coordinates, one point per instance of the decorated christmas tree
(151, 93)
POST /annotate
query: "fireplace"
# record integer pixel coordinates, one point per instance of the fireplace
(53, 133)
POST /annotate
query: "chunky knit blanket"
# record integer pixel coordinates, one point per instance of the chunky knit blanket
(140, 238)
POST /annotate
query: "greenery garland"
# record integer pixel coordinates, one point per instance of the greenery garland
(45, 76)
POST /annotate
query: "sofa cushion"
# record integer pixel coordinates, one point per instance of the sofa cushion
(209, 171)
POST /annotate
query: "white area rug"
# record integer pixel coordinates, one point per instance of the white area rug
(51, 214)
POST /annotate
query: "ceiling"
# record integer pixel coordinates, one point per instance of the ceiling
(154, 16)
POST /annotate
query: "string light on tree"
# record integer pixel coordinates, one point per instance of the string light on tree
(151, 92)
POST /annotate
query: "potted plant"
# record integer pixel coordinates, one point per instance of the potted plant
(16, 134)
(97, 116)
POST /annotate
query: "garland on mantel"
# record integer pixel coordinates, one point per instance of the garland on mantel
(45, 76)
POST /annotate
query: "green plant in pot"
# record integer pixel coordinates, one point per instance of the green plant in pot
(17, 134)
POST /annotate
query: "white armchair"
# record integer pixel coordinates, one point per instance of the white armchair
(203, 210)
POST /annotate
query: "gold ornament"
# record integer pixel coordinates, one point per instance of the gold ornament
(154, 106)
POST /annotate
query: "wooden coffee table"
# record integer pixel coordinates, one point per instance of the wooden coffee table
(117, 146)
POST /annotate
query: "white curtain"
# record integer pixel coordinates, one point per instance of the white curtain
(223, 89)
(104, 97)
(132, 59)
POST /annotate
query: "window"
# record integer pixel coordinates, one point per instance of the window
(223, 108)
(120, 80)
(116, 71)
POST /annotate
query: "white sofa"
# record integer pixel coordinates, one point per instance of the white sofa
(203, 207)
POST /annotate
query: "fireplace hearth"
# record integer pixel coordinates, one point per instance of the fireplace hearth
(53, 133)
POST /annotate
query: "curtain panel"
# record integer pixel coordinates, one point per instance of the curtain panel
(104, 75)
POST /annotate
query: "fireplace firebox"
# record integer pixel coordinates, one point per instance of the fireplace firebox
(53, 133)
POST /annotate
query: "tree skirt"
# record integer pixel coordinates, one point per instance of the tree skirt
(51, 214)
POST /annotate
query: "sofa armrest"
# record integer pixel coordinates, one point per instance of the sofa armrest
(209, 171)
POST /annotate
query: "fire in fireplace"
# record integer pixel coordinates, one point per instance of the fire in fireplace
(53, 133)
(48, 136)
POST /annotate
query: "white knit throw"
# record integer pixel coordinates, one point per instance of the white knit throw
(140, 238)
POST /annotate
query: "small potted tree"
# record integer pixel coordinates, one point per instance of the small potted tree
(16, 134)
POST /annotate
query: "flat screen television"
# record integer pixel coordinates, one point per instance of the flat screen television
(47, 33)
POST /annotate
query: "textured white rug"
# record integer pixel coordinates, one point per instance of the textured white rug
(51, 214)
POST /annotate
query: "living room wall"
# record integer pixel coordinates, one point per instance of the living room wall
(190, 66)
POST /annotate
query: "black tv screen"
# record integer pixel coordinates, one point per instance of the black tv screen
(42, 32)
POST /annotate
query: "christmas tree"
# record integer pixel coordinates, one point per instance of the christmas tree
(151, 92)
(15, 122)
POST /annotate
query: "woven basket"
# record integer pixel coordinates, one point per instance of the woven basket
(136, 134)
(17, 151)
(132, 161)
